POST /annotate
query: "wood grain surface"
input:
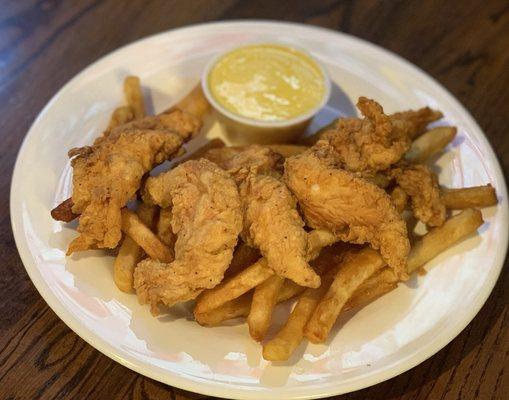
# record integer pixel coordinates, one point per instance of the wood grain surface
(463, 44)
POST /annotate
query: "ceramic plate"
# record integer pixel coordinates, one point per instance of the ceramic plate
(384, 339)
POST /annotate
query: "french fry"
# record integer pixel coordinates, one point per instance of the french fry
(134, 96)
(241, 306)
(476, 196)
(130, 252)
(147, 214)
(399, 199)
(194, 103)
(378, 284)
(127, 258)
(287, 150)
(281, 347)
(164, 229)
(243, 256)
(439, 239)
(430, 143)
(290, 289)
(233, 287)
(119, 116)
(353, 271)
(382, 281)
(146, 239)
(252, 276)
(288, 338)
(63, 212)
(317, 240)
(262, 305)
(429, 246)
(235, 308)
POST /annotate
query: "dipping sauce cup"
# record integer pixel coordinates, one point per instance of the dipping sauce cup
(265, 93)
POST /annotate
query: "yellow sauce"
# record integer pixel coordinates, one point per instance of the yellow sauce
(267, 82)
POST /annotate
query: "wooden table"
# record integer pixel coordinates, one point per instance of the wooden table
(465, 45)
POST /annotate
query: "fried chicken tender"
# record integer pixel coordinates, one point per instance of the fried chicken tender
(273, 224)
(108, 173)
(351, 207)
(240, 161)
(370, 144)
(271, 220)
(376, 141)
(414, 122)
(420, 183)
(206, 218)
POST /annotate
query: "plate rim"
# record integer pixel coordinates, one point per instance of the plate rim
(221, 389)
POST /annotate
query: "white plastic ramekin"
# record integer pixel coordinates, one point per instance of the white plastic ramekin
(241, 130)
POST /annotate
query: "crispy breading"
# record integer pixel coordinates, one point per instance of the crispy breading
(271, 220)
(370, 144)
(273, 224)
(420, 183)
(414, 122)
(108, 173)
(240, 161)
(206, 218)
(375, 142)
(354, 209)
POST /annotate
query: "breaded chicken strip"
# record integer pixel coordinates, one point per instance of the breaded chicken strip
(108, 174)
(370, 144)
(271, 220)
(273, 224)
(250, 159)
(377, 141)
(421, 184)
(354, 209)
(414, 122)
(206, 218)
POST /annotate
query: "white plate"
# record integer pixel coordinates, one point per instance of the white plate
(382, 340)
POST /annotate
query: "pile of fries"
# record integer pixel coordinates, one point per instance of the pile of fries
(352, 276)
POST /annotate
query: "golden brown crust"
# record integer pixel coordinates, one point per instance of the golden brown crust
(353, 208)
(369, 144)
(108, 174)
(420, 183)
(206, 218)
